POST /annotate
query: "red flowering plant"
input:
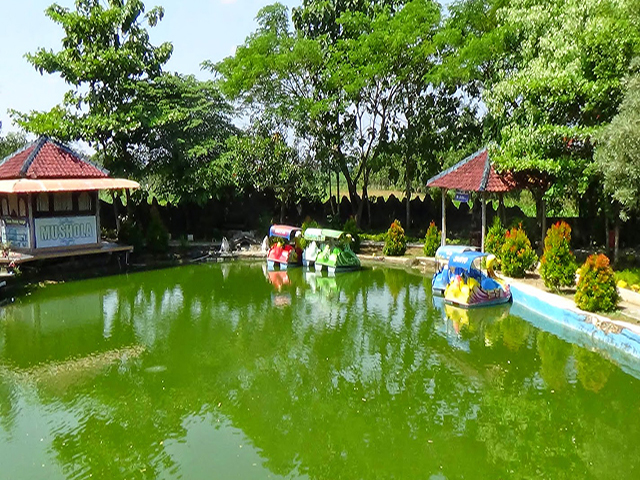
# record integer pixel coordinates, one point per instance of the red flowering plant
(558, 264)
(596, 290)
(395, 241)
(517, 256)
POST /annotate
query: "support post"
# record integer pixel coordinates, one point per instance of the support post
(484, 220)
(443, 238)
(32, 226)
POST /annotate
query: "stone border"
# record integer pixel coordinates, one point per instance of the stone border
(629, 296)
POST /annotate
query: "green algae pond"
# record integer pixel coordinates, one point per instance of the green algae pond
(227, 371)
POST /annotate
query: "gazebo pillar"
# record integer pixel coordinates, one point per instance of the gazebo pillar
(484, 220)
(443, 238)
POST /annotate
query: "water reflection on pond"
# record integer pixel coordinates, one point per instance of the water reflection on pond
(232, 371)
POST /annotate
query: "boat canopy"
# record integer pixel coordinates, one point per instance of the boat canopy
(314, 234)
(464, 260)
(446, 251)
(334, 234)
(321, 234)
(284, 231)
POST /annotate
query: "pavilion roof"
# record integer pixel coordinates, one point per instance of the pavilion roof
(48, 159)
(475, 173)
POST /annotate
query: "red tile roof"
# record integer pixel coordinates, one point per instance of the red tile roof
(46, 158)
(475, 174)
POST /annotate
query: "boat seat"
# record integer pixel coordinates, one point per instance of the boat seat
(489, 284)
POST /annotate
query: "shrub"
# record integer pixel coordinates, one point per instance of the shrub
(558, 264)
(352, 229)
(395, 242)
(157, 234)
(431, 240)
(495, 238)
(517, 256)
(130, 233)
(596, 289)
(308, 223)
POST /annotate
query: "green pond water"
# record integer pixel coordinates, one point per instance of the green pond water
(226, 371)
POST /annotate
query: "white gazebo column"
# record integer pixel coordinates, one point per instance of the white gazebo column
(443, 238)
(484, 220)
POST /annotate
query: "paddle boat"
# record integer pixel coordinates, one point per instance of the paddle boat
(284, 251)
(336, 255)
(441, 279)
(315, 242)
(470, 286)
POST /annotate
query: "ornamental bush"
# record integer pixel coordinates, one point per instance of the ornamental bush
(431, 240)
(351, 227)
(130, 233)
(157, 234)
(495, 238)
(395, 241)
(516, 254)
(558, 264)
(596, 291)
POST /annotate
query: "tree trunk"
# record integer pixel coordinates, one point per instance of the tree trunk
(129, 203)
(408, 196)
(115, 210)
(353, 192)
(330, 202)
(544, 221)
(338, 199)
(541, 212)
(501, 210)
(607, 229)
(282, 209)
(616, 241)
(365, 197)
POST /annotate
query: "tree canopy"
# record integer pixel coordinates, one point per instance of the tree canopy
(106, 56)
(618, 154)
(366, 88)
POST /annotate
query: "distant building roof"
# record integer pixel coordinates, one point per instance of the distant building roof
(475, 174)
(47, 158)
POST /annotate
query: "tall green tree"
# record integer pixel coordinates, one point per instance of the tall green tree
(618, 153)
(108, 59)
(182, 149)
(11, 142)
(567, 59)
(337, 78)
(262, 160)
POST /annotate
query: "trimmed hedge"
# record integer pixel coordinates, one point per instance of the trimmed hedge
(395, 241)
(596, 290)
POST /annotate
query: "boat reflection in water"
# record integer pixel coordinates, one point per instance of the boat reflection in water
(460, 325)
(322, 284)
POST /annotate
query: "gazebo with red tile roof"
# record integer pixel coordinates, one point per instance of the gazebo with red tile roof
(49, 203)
(473, 174)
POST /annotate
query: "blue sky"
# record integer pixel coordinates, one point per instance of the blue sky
(199, 30)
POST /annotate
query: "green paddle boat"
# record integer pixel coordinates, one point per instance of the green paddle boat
(336, 254)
